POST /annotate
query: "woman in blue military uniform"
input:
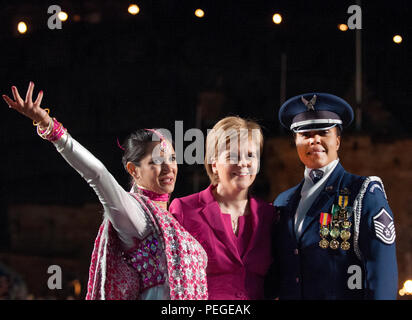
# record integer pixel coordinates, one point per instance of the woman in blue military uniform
(336, 236)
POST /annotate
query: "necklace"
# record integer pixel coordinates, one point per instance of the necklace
(235, 224)
(234, 218)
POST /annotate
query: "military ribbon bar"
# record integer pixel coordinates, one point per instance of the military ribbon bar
(343, 201)
(324, 219)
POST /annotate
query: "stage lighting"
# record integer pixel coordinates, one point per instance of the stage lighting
(397, 39)
(133, 9)
(408, 286)
(62, 16)
(342, 27)
(277, 18)
(199, 13)
(22, 27)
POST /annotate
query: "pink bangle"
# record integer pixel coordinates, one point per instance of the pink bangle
(57, 132)
(47, 131)
(54, 131)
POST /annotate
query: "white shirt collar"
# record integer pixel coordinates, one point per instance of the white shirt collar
(327, 170)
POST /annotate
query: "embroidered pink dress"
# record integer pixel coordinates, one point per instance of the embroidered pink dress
(141, 251)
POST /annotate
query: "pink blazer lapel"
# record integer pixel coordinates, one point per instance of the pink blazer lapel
(254, 207)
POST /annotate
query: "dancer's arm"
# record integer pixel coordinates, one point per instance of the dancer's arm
(125, 213)
(122, 209)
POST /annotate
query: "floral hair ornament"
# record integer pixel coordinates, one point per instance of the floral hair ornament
(163, 142)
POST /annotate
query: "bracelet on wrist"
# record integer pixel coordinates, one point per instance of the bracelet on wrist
(37, 123)
(53, 132)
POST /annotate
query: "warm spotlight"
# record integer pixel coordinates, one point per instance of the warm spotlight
(199, 13)
(62, 16)
(22, 27)
(133, 9)
(277, 18)
(408, 286)
(343, 27)
(397, 39)
(77, 288)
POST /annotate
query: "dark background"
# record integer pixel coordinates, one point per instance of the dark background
(105, 79)
(111, 73)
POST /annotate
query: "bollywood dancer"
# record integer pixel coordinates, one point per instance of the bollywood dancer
(141, 251)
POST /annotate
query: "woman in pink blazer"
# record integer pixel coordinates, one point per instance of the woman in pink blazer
(233, 227)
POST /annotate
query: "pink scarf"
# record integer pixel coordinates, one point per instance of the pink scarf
(111, 278)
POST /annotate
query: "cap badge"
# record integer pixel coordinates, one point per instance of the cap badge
(309, 104)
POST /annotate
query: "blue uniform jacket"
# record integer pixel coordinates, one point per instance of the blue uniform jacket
(304, 270)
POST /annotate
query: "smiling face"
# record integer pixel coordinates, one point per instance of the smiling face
(317, 149)
(157, 170)
(236, 168)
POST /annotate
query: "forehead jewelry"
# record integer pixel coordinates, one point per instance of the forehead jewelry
(163, 143)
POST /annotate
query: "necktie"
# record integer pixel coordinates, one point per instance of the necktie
(316, 175)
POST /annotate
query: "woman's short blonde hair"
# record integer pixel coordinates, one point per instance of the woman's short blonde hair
(222, 133)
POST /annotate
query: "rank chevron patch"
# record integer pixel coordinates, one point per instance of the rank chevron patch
(384, 227)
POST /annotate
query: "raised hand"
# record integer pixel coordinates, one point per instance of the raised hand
(27, 107)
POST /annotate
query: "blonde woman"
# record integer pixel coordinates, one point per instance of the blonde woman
(233, 227)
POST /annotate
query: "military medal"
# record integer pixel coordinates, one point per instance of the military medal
(345, 235)
(342, 214)
(323, 243)
(334, 233)
(343, 201)
(335, 209)
(324, 232)
(334, 244)
(324, 220)
(341, 223)
(336, 225)
(345, 245)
